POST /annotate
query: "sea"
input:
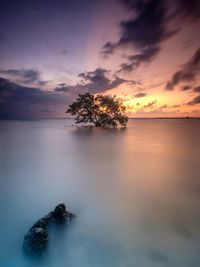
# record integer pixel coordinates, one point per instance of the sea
(135, 192)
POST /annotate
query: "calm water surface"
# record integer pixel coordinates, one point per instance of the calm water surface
(136, 192)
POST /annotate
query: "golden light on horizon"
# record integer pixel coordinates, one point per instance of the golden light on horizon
(165, 104)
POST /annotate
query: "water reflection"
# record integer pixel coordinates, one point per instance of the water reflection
(135, 191)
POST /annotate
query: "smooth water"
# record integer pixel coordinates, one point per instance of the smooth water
(135, 191)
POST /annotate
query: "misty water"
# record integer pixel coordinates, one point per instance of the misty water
(135, 191)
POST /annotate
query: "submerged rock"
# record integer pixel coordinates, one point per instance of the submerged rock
(37, 237)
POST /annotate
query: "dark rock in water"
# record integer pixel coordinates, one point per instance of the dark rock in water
(35, 240)
(37, 237)
(42, 223)
(60, 212)
(48, 217)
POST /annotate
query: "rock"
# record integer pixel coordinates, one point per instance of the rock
(37, 237)
(42, 223)
(35, 240)
(60, 212)
(49, 216)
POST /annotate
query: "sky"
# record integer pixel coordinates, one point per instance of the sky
(145, 52)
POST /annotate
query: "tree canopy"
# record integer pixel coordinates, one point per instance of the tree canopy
(98, 110)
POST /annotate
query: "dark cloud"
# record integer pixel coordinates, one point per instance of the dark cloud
(189, 71)
(96, 77)
(151, 104)
(148, 27)
(132, 4)
(29, 76)
(98, 80)
(21, 102)
(61, 84)
(144, 31)
(187, 9)
(196, 89)
(195, 100)
(94, 82)
(186, 88)
(146, 56)
(62, 87)
(140, 95)
(73, 89)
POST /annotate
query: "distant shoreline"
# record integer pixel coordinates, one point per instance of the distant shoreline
(138, 118)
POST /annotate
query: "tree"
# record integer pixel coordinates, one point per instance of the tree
(98, 110)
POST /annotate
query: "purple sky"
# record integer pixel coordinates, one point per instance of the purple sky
(147, 52)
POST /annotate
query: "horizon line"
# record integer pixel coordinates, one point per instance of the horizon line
(131, 118)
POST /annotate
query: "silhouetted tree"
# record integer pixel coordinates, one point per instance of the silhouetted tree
(98, 110)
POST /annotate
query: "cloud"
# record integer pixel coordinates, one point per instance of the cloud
(22, 102)
(93, 81)
(189, 71)
(144, 31)
(186, 88)
(29, 76)
(147, 29)
(196, 89)
(164, 106)
(146, 56)
(188, 9)
(62, 87)
(176, 106)
(151, 104)
(195, 100)
(140, 95)
(98, 81)
(96, 77)
(151, 23)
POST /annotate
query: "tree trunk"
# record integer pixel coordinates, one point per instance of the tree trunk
(97, 124)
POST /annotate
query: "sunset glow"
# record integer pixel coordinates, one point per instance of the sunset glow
(147, 53)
